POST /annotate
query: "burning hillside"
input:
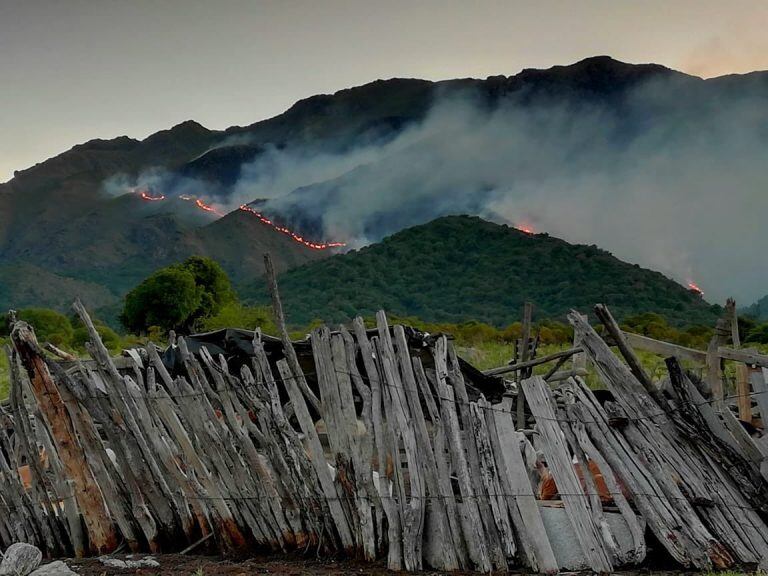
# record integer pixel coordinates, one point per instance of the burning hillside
(149, 196)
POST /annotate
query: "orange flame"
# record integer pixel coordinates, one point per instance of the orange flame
(527, 228)
(695, 288)
(146, 195)
(207, 207)
(291, 233)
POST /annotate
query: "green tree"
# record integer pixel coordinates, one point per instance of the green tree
(178, 297)
(168, 299)
(216, 287)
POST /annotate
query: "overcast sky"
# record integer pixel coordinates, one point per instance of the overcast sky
(73, 70)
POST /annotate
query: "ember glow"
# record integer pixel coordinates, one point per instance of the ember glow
(292, 234)
(694, 287)
(527, 228)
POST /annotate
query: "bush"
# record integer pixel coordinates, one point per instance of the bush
(235, 315)
(50, 326)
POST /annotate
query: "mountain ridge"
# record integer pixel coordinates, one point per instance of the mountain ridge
(57, 215)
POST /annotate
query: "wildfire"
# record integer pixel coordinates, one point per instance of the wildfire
(694, 287)
(527, 228)
(149, 197)
(202, 205)
(207, 207)
(291, 233)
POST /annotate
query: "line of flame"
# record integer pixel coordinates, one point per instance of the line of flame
(147, 196)
(291, 233)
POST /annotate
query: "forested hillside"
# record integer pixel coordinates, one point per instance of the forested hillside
(460, 268)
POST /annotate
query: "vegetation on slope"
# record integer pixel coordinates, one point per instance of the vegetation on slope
(460, 268)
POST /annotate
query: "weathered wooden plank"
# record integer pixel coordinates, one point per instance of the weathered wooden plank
(559, 461)
(495, 547)
(521, 499)
(412, 512)
(362, 478)
(612, 327)
(472, 525)
(101, 530)
(532, 363)
(290, 352)
(317, 456)
(525, 372)
(664, 348)
(446, 558)
(750, 357)
(653, 435)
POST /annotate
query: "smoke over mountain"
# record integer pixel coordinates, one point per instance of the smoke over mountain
(665, 179)
(664, 170)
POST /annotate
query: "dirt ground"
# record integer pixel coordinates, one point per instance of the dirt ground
(175, 565)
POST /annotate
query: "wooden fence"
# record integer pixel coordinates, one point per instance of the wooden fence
(379, 451)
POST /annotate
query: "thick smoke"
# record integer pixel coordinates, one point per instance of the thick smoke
(683, 191)
(666, 178)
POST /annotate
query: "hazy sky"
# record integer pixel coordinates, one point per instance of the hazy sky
(72, 70)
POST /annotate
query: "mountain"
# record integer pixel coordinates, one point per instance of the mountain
(368, 161)
(460, 268)
(758, 310)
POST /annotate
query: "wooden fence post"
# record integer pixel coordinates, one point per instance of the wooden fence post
(101, 530)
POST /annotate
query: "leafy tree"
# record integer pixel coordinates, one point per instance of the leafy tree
(50, 326)
(758, 334)
(168, 299)
(216, 287)
(178, 297)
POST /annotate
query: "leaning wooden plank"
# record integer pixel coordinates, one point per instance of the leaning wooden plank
(664, 348)
(474, 533)
(446, 558)
(43, 489)
(652, 434)
(559, 460)
(317, 456)
(636, 529)
(385, 458)
(602, 312)
(227, 529)
(445, 493)
(515, 482)
(412, 510)
(359, 482)
(101, 530)
(493, 539)
(532, 363)
(650, 500)
(746, 356)
(490, 476)
(290, 352)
